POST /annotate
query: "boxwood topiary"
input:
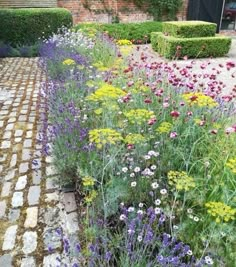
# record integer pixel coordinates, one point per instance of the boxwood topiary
(171, 47)
(25, 26)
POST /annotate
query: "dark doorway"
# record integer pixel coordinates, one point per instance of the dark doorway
(206, 10)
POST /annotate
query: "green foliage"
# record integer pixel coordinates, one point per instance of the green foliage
(172, 47)
(160, 8)
(136, 32)
(27, 26)
(189, 29)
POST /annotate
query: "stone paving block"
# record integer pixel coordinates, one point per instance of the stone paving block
(30, 126)
(1, 123)
(21, 183)
(13, 215)
(31, 217)
(6, 260)
(7, 135)
(10, 126)
(52, 197)
(24, 167)
(49, 159)
(72, 222)
(18, 139)
(3, 206)
(19, 133)
(37, 176)
(69, 202)
(29, 242)
(11, 120)
(10, 175)
(22, 118)
(52, 260)
(17, 200)
(51, 184)
(13, 161)
(51, 171)
(28, 262)
(6, 189)
(6, 144)
(33, 195)
(29, 134)
(50, 216)
(27, 143)
(36, 164)
(3, 158)
(9, 238)
(26, 154)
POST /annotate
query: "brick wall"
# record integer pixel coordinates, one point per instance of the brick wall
(29, 3)
(104, 10)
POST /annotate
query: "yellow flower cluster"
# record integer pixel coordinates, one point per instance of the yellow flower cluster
(124, 42)
(88, 181)
(180, 180)
(102, 137)
(106, 92)
(199, 99)
(100, 66)
(91, 196)
(134, 139)
(221, 211)
(107, 106)
(165, 127)
(68, 62)
(139, 116)
(231, 163)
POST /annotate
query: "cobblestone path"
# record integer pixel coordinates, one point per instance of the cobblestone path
(31, 210)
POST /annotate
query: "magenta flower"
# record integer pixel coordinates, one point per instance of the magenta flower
(173, 135)
(175, 114)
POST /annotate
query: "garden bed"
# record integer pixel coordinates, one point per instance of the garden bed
(151, 154)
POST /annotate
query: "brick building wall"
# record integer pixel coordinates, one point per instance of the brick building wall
(105, 10)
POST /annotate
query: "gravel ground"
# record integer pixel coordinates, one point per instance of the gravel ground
(228, 77)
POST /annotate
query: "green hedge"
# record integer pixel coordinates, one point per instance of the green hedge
(171, 47)
(27, 25)
(136, 32)
(189, 29)
(154, 40)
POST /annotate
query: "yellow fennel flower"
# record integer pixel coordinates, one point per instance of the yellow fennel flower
(199, 99)
(231, 164)
(91, 196)
(124, 42)
(88, 181)
(134, 139)
(180, 180)
(165, 127)
(105, 136)
(106, 92)
(139, 116)
(220, 211)
(68, 62)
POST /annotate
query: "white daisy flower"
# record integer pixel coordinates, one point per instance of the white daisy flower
(155, 185)
(157, 202)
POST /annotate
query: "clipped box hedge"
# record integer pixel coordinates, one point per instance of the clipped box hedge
(136, 32)
(25, 26)
(189, 29)
(171, 47)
